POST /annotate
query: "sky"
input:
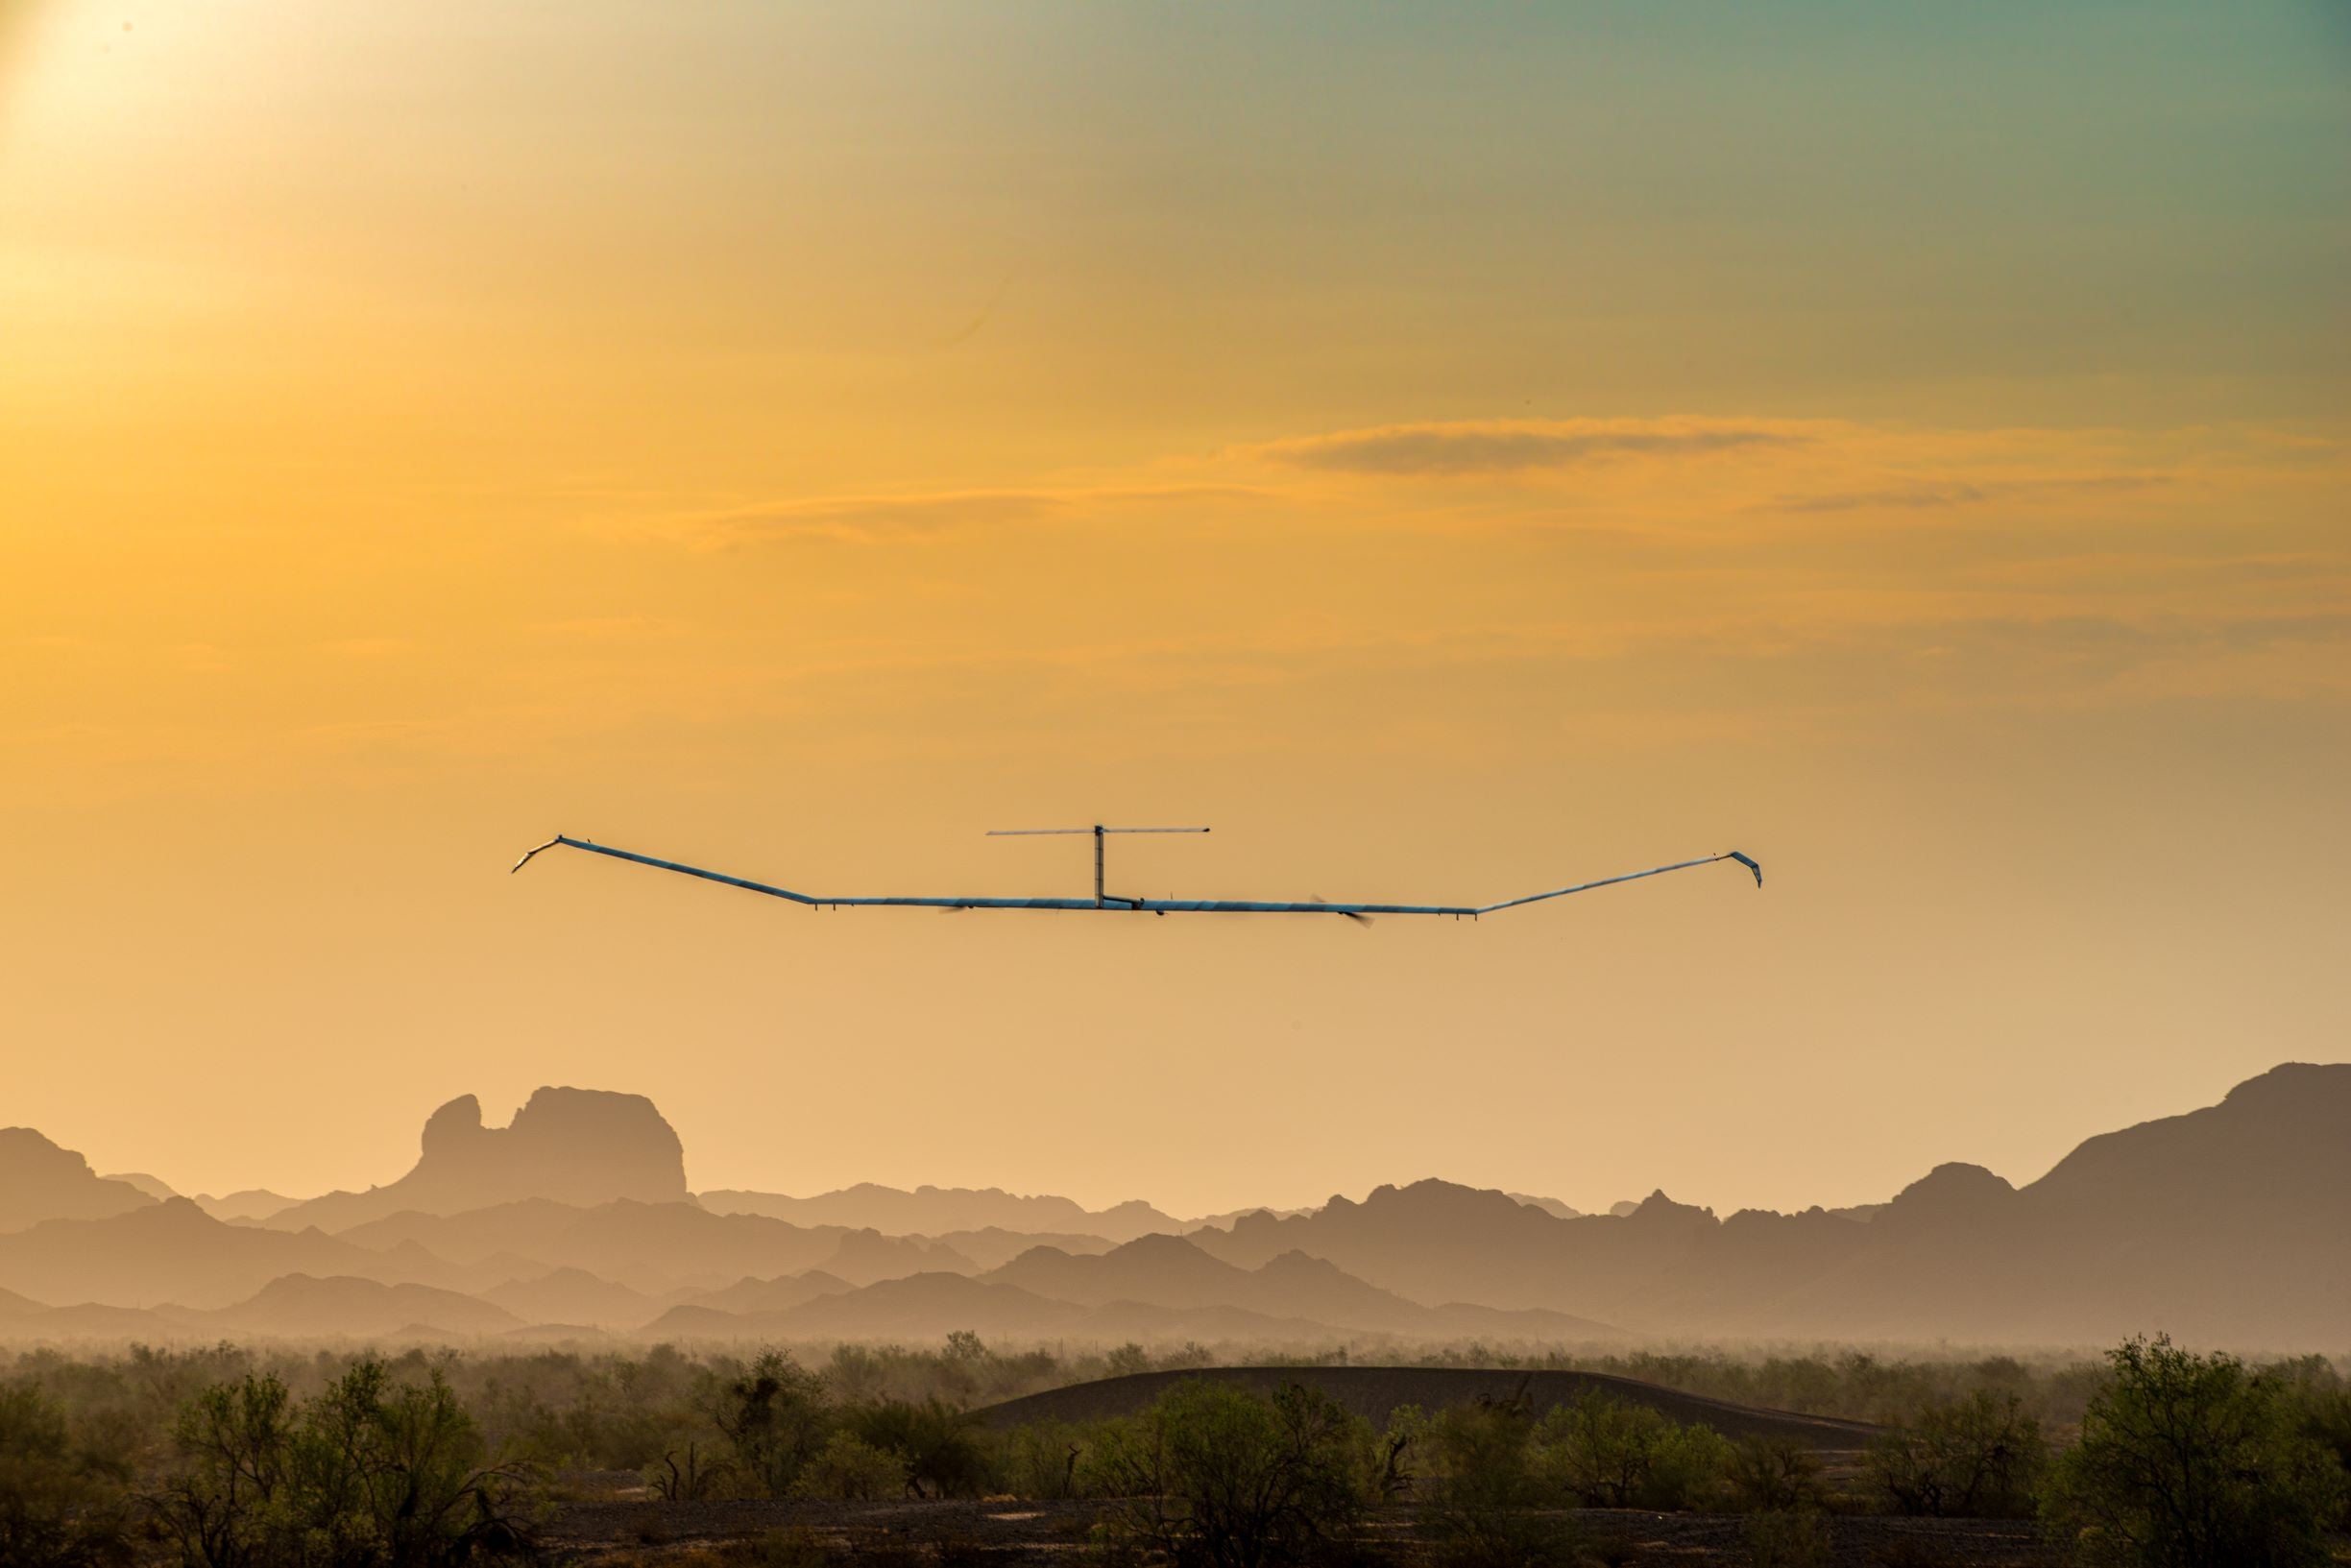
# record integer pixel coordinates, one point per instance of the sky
(1451, 450)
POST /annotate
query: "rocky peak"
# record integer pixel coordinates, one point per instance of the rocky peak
(581, 1146)
(1950, 1192)
(40, 1181)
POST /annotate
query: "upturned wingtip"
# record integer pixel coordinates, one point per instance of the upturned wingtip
(527, 854)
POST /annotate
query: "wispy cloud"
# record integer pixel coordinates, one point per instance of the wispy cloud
(877, 517)
(1457, 448)
(1926, 495)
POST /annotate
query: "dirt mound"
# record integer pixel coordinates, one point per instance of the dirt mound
(1373, 1392)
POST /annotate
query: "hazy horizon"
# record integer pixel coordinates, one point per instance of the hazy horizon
(496, 1115)
(1452, 453)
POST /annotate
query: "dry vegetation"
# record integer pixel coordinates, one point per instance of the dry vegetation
(238, 1458)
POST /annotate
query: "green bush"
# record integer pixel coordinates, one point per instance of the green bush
(1607, 1453)
(2325, 1419)
(369, 1473)
(1774, 1476)
(1041, 1458)
(63, 1504)
(1481, 1493)
(775, 1419)
(1979, 1457)
(1478, 1458)
(1214, 1475)
(942, 1448)
(2193, 1462)
(849, 1468)
(1787, 1538)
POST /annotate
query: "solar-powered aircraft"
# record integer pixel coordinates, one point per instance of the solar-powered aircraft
(1102, 899)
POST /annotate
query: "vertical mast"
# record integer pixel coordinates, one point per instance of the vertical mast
(1101, 898)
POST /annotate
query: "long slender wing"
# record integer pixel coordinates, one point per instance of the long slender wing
(1628, 877)
(774, 892)
(1219, 907)
(1235, 906)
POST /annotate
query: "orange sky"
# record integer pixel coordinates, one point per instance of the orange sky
(1452, 457)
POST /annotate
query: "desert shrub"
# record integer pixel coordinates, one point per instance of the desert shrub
(941, 1447)
(686, 1476)
(64, 1503)
(2324, 1417)
(1768, 1475)
(1126, 1360)
(1215, 1475)
(1787, 1538)
(1690, 1470)
(605, 1412)
(1522, 1539)
(849, 1468)
(1478, 1458)
(1855, 1385)
(1978, 1458)
(1040, 1459)
(233, 1503)
(1480, 1491)
(2195, 1462)
(398, 1470)
(775, 1419)
(1607, 1453)
(369, 1473)
(1395, 1462)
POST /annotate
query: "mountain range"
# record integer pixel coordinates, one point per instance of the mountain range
(2228, 1225)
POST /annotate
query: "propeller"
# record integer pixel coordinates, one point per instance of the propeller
(1360, 920)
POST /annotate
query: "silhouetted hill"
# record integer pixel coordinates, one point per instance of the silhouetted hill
(932, 1306)
(2226, 1226)
(154, 1187)
(471, 1235)
(688, 1322)
(1224, 1220)
(996, 1246)
(866, 1256)
(1435, 1241)
(660, 1248)
(581, 1147)
(2277, 1146)
(167, 1252)
(300, 1307)
(930, 1210)
(1377, 1393)
(2230, 1225)
(1168, 1271)
(766, 1295)
(925, 1307)
(1549, 1205)
(574, 1296)
(251, 1205)
(94, 1320)
(1164, 1270)
(40, 1181)
(292, 1307)
(653, 1247)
